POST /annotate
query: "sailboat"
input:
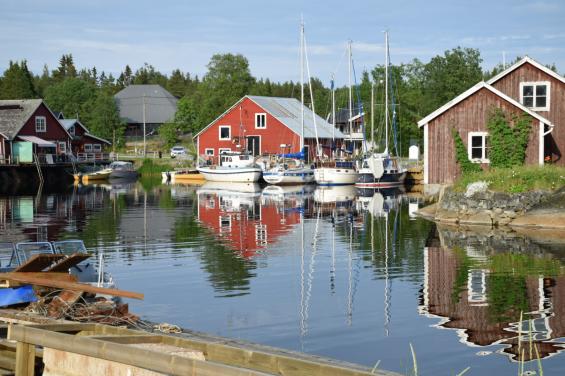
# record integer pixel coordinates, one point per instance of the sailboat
(338, 171)
(291, 168)
(382, 170)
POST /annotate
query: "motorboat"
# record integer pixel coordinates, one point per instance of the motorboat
(100, 175)
(233, 167)
(123, 170)
(289, 172)
(185, 175)
(14, 255)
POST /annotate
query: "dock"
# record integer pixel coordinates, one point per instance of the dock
(36, 344)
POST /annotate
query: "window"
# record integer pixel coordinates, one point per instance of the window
(209, 152)
(261, 121)
(478, 147)
(535, 95)
(72, 130)
(261, 234)
(225, 132)
(97, 147)
(62, 147)
(87, 147)
(40, 124)
(476, 286)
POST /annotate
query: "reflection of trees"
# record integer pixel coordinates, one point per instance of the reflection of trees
(405, 236)
(229, 274)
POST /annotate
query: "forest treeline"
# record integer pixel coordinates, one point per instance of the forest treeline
(417, 89)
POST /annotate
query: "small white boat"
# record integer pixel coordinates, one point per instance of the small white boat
(234, 167)
(283, 174)
(336, 173)
(123, 170)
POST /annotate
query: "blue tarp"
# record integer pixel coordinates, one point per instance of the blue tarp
(17, 295)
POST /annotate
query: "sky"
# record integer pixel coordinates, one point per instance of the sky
(109, 34)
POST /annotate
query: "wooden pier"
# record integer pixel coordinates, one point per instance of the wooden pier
(85, 349)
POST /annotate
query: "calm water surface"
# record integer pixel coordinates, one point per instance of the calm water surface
(335, 272)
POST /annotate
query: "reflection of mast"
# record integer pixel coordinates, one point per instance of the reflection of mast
(386, 295)
(350, 279)
(302, 318)
(332, 267)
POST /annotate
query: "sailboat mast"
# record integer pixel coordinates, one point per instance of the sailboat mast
(372, 115)
(386, 91)
(302, 85)
(333, 107)
(350, 98)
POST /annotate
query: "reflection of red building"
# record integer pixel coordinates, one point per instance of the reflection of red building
(245, 223)
(465, 307)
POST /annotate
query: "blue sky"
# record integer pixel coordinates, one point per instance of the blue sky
(109, 34)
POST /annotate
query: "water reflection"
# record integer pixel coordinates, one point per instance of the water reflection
(333, 271)
(482, 283)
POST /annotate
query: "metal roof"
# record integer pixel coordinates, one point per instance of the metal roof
(14, 114)
(287, 111)
(38, 141)
(160, 105)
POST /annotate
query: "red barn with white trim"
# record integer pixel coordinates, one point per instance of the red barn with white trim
(262, 124)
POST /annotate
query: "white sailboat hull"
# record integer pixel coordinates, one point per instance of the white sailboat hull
(289, 176)
(335, 176)
(230, 174)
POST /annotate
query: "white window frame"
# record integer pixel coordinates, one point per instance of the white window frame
(221, 150)
(62, 147)
(259, 115)
(470, 136)
(97, 148)
(207, 152)
(535, 84)
(88, 148)
(261, 234)
(42, 129)
(220, 132)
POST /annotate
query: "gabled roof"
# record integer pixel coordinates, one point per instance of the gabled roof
(288, 112)
(14, 114)
(68, 123)
(525, 60)
(342, 115)
(481, 85)
(160, 105)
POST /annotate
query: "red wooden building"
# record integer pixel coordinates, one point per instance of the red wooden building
(82, 141)
(525, 87)
(261, 125)
(30, 121)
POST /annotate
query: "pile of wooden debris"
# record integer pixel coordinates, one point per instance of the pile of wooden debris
(43, 285)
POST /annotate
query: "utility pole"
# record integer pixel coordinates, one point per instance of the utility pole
(144, 132)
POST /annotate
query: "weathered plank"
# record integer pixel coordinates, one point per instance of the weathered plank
(68, 262)
(25, 359)
(74, 286)
(37, 263)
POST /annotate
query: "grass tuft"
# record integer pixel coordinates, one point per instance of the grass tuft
(517, 179)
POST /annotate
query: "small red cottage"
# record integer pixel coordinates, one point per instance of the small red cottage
(29, 127)
(82, 141)
(525, 87)
(261, 125)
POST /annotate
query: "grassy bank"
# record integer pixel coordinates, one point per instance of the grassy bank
(518, 179)
(150, 167)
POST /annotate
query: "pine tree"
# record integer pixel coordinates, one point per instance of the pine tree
(17, 82)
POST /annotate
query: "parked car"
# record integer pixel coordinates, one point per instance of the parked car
(178, 151)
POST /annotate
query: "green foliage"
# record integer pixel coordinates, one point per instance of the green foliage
(461, 155)
(17, 82)
(186, 116)
(507, 297)
(70, 97)
(103, 119)
(151, 167)
(517, 179)
(168, 133)
(66, 69)
(507, 143)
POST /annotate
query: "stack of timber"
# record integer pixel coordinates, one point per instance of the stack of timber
(87, 349)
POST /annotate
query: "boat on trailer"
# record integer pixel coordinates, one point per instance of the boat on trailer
(233, 167)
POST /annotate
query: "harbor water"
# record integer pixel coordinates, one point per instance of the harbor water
(337, 272)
